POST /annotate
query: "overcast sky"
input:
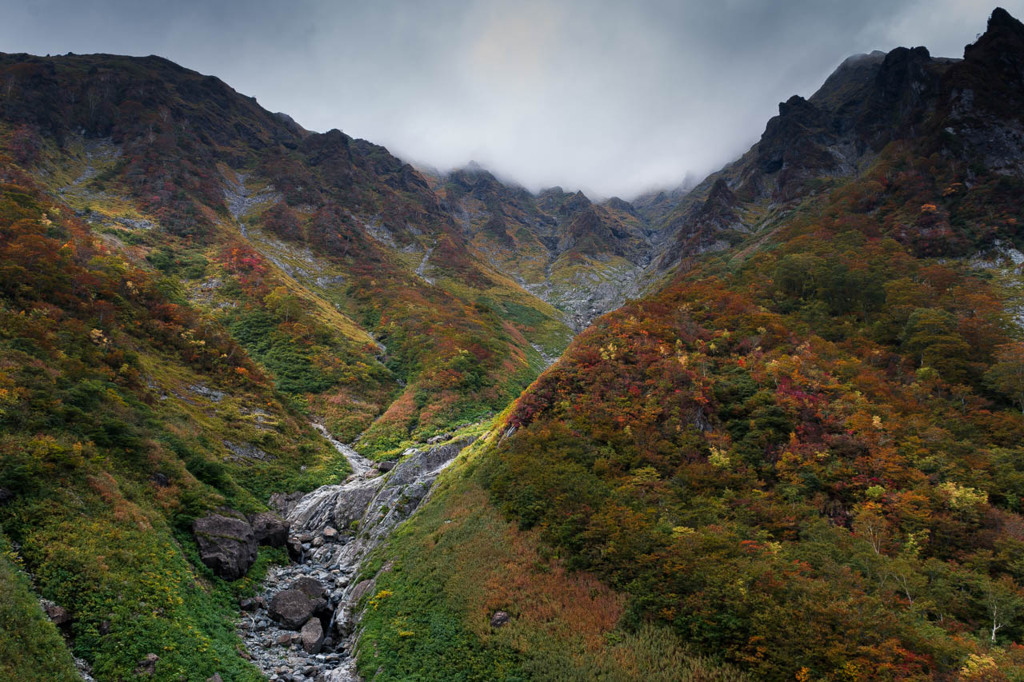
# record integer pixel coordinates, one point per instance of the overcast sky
(614, 97)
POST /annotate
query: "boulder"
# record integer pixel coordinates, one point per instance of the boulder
(311, 587)
(252, 603)
(330, 534)
(269, 529)
(500, 618)
(58, 614)
(312, 636)
(292, 608)
(361, 588)
(227, 544)
(147, 666)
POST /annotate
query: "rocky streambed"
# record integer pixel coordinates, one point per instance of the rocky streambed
(303, 626)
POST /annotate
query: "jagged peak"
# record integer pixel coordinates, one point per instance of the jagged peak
(794, 104)
(1003, 29)
(1001, 19)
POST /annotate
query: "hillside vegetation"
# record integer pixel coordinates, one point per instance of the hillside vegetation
(803, 455)
(125, 415)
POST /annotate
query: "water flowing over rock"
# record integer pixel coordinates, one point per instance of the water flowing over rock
(334, 528)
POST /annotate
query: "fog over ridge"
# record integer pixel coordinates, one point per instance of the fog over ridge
(610, 97)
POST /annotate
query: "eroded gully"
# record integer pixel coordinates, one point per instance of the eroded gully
(332, 531)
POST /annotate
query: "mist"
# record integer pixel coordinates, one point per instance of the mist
(609, 97)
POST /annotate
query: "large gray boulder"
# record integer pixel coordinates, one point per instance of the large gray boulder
(269, 529)
(312, 636)
(293, 608)
(227, 544)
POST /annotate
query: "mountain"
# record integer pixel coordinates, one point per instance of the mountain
(583, 258)
(785, 443)
(800, 458)
(330, 260)
(186, 282)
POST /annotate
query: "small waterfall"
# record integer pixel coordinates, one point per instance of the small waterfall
(364, 510)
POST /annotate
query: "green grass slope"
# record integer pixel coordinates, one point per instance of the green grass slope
(124, 415)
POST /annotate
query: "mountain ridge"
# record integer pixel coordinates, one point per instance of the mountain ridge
(794, 454)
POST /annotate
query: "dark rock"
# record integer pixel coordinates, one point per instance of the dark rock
(252, 604)
(330, 534)
(384, 466)
(160, 480)
(284, 503)
(58, 614)
(312, 636)
(104, 627)
(147, 666)
(311, 587)
(500, 618)
(287, 638)
(226, 545)
(269, 529)
(292, 608)
(295, 549)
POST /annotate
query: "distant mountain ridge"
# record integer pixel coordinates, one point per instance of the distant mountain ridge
(794, 452)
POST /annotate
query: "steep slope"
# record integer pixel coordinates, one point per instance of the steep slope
(804, 453)
(332, 262)
(583, 258)
(868, 102)
(125, 414)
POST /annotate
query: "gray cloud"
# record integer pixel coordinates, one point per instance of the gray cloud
(614, 97)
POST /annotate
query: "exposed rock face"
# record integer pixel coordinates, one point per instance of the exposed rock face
(58, 614)
(269, 529)
(147, 666)
(227, 544)
(321, 595)
(284, 503)
(293, 607)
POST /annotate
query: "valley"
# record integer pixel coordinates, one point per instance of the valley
(276, 404)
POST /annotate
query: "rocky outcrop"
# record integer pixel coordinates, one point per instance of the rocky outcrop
(59, 615)
(147, 666)
(269, 529)
(284, 503)
(308, 627)
(227, 544)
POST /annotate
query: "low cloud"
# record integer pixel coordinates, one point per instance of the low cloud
(611, 97)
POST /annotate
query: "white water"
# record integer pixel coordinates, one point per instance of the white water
(365, 509)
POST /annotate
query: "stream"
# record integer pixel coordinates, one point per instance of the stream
(333, 529)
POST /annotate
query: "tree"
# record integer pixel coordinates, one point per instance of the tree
(281, 302)
(1007, 374)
